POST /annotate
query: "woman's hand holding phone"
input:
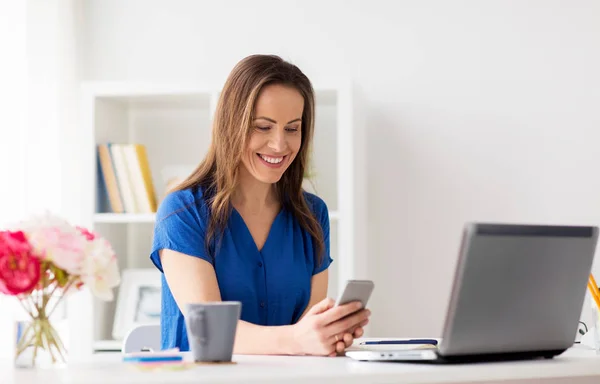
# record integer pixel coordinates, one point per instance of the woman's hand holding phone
(354, 291)
(328, 329)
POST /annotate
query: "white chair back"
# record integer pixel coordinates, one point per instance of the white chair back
(142, 338)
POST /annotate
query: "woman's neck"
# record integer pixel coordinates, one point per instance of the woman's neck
(253, 196)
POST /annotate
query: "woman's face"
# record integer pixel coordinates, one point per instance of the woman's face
(276, 133)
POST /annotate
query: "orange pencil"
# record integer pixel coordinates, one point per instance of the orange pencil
(594, 292)
(594, 284)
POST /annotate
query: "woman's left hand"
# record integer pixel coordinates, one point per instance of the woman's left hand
(348, 338)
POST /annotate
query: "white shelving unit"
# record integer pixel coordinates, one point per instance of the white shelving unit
(173, 122)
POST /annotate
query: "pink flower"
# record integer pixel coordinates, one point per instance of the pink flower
(57, 241)
(19, 267)
(88, 235)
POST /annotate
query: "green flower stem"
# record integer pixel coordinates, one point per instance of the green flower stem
(34, 306)
(23, 302)
(65, 290)
(36, 343)
(48, 338)
(53, 290)
(60, 347)
(25, 339)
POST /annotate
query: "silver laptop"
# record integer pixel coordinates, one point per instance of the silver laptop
(518, 292)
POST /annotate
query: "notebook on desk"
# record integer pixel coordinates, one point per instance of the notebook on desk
(387, 344)
(517, 293)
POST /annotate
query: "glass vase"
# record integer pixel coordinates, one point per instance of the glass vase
(38, 342)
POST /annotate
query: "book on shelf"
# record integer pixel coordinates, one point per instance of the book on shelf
(126, 178)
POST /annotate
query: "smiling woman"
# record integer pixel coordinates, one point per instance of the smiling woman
(277, 137)
(241, 228)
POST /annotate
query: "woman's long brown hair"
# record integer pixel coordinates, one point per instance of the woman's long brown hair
(217, 174)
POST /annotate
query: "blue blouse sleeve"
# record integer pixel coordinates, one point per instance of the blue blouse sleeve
(180, 226)
(321, 211)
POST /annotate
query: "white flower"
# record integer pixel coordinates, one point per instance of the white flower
(100, 271)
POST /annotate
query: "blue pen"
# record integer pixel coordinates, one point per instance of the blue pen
(409, 341)
(151, 359)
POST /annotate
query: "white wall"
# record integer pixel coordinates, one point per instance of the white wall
(13, 116)
(38, 114)
(53, 86)
(476, 110)
(13, 123)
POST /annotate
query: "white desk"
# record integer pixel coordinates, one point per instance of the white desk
(576, 366)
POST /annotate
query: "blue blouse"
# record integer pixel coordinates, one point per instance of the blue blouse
(273, 284)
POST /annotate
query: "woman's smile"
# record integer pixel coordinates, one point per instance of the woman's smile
(271, 161)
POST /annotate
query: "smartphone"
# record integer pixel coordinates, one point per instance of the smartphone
(356, 290)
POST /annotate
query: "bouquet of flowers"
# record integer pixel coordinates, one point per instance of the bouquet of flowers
(44, 259)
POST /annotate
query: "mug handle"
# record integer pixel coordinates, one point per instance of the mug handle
(198, 323)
